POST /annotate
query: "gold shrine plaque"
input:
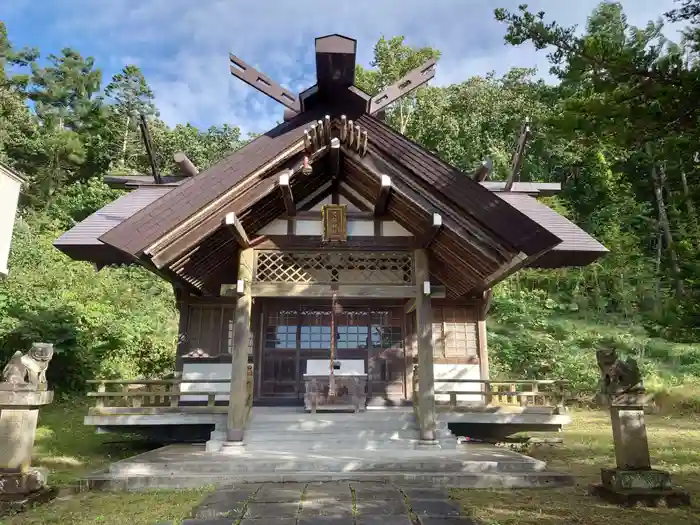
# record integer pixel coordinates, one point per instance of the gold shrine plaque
(335, 222)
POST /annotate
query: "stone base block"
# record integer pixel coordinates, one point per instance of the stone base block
(645, 487)
(642, 479)
(642, 497)
(22, 483)
(14, 503)
(213, 445)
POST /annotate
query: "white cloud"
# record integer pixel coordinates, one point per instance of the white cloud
(183, 46)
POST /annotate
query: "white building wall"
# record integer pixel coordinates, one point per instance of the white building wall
(10, 186)
(206, 371)
(461, 371)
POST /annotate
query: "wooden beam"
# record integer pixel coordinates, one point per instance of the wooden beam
(263, 83)
(431, 231)
(386, 291)
(287, 196)
(335, 158)
(518, 156)
(235, 226)
(405, 85)
(382, 199)
(483, 171)
(314, 242)
(186, 166)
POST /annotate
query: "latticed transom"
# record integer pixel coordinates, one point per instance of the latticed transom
(334, 267)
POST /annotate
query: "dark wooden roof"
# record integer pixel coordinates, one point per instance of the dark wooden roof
(82, 242)
(432, 176)
(145, 227)
(577, 247)
(485, 233)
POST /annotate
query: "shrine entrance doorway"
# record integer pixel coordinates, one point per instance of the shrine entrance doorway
(294, 332)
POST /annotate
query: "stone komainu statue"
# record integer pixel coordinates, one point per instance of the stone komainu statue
(28, 371)
(618, 376)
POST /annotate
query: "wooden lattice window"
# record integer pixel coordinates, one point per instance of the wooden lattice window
(454, 333)
(334, 267)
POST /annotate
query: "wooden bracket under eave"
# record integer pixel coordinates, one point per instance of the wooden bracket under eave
(236, 228)
(286, 189)
(431, 231)
(434, 292)
(233, 290)
(382, 199)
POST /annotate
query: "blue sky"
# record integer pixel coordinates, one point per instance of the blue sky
(182, 46)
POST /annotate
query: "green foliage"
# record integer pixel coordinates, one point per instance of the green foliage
(96, 320)
(619, 132)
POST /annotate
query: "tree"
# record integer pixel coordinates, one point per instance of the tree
(628, 92)
(131, 96)
(65, 99)
(392, 60)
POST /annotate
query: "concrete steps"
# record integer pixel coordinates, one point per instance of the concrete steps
(514, 480)
(287, 445)
(249, 464)
(332, 431)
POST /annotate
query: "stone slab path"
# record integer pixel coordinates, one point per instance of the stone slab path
(336, 503)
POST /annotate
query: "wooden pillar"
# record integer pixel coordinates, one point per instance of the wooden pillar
(481, 336)
(238, 400)
(424, 333)
(183, 309)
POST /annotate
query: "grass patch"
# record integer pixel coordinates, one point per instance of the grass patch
(112, 508)
(587, 447)
(70, 449)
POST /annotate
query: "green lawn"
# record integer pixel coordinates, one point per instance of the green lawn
(71, 450)
(674, 444)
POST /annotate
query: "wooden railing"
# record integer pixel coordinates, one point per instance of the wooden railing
(520, 393)
(156, 396)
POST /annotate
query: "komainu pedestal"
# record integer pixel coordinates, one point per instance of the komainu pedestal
(22, 391)
(633, 481)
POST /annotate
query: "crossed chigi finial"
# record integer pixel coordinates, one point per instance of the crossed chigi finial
(335, 80)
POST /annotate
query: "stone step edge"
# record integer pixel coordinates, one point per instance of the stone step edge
(253, 469)
(512, 480)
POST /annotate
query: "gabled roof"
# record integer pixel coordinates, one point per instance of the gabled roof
(82, 241)
(475, 236)
(577, 247)
(146, 226)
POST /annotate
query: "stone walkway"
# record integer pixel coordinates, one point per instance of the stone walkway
(338, 503)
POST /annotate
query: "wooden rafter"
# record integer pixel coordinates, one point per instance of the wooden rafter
(235, 226)
(263, 83)
(405, 85)
(518, 156)
(483, 171)
(431, 231)
(334, 158)
(380, 203)
(287, 196)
